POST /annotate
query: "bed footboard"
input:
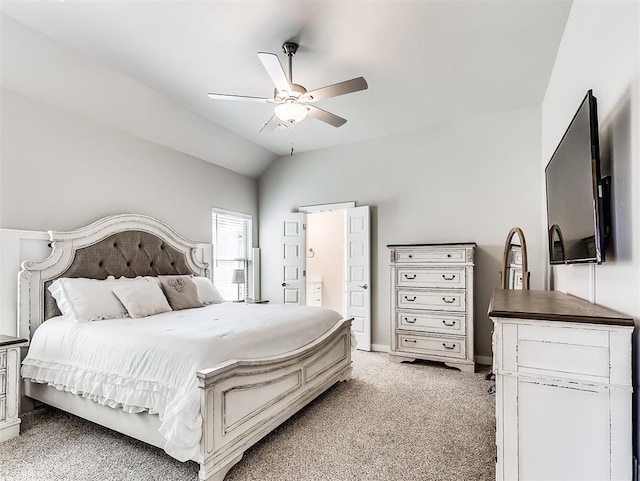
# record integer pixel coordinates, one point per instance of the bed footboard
(243, 401)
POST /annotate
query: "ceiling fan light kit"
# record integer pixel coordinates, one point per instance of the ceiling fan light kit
(292, 100)
(291, 111)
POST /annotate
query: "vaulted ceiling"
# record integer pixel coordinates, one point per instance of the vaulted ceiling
(426, 62)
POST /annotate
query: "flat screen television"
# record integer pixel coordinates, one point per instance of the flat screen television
(575, 206)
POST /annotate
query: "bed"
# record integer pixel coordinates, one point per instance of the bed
(240, 396)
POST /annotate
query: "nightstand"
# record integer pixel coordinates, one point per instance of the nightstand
(9, 386)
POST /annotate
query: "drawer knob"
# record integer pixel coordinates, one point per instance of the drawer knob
(406, 298)
(410, 340)
(452, 346)
(410, 256)
(447, 278)
(406, 276)
(410, 321)
(451, 301)
(448, 255)
(446, 323)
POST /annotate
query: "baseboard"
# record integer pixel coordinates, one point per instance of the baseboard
(379, 348)
(484, 360)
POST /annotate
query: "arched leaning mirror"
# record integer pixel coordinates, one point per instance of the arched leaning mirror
(515, 267)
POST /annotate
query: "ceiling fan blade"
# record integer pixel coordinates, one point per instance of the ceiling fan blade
(325, 116)
(272, 65)
(272, 125)
(341, 88)
(238, 97)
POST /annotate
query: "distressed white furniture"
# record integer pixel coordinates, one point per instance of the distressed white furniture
(314, 291)
(563, 388)
(9, 386)
(241, 401)
(432, 303)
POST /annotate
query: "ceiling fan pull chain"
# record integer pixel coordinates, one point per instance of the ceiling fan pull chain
(291, 139)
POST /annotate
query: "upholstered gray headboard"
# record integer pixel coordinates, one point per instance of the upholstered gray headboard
(126, 245)
(125, 254)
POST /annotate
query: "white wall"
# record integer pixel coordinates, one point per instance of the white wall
(600, 50)
(40, 68)
(467, 182)
(60, 171)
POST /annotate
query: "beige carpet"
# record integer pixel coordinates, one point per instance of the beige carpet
(406, 422)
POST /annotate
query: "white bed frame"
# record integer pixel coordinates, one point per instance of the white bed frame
(241, 401)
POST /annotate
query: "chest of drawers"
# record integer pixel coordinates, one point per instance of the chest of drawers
(432, 303)
(9, 384)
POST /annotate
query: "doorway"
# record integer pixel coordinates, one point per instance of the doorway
(325, 259)
(339, 277)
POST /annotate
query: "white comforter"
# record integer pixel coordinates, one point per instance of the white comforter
(149, 364)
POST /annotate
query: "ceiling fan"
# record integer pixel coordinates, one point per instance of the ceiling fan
(293, 101)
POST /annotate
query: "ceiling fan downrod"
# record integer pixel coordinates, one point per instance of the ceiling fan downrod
(290, 48)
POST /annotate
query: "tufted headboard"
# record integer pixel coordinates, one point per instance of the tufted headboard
(127, 245)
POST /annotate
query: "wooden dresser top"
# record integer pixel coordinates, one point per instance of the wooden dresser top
(440, 244)
(552, 306)
(9, 340)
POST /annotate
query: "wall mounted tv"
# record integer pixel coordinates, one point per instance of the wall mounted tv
(575, 192)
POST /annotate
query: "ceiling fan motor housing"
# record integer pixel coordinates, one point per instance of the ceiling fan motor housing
(295, 93)
(290, 48)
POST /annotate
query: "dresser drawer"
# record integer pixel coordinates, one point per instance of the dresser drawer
(436, 346)
(442, 255)
(414, 277)
(580, 354)
(3, 383)
(437, 300)
(3, 359)
(3, 408)
(427, 322)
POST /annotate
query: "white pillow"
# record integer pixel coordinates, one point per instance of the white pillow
(88, 299)
(207, 293)
(142, 298)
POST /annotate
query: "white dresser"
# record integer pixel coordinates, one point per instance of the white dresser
(563, 388)
(432, 303)
(9, 386)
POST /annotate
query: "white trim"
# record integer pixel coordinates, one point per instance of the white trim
(379, 348)
(326, 207)
(231, 212)
(26, 234)
(255, 273)
(17, 245)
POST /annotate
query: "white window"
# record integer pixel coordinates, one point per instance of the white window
(232, 243)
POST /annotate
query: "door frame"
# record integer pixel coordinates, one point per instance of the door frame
(309, 209)
(343, 206)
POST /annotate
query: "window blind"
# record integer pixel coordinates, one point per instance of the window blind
(231, 235)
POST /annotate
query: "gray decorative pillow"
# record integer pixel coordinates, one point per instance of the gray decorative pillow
(180, 291)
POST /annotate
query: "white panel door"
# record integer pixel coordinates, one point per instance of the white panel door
(358, 274)
(293, 260)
